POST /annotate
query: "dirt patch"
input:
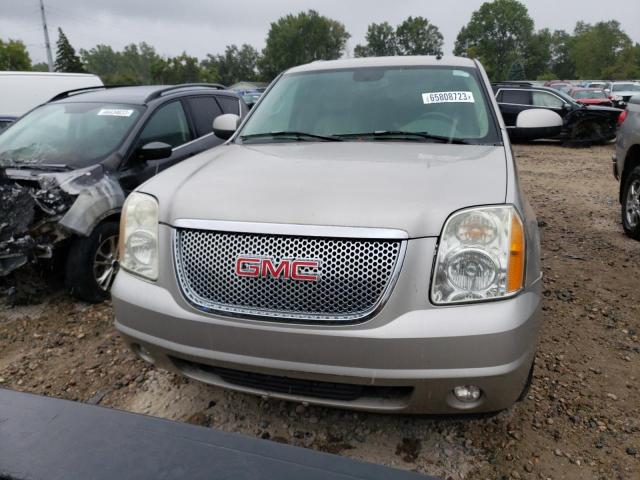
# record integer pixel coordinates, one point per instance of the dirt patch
(580, 419)
(408, 449)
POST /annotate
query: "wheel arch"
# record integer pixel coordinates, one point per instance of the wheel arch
(110, 216)
(92, 205)
(631, 161)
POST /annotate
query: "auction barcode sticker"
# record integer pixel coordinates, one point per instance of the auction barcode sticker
(447, 97)
(115, 112)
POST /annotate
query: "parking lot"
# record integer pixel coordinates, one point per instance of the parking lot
(580, 418)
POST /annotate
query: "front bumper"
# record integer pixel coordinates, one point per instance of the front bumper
(416, 358)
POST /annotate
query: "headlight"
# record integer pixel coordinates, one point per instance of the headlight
(617, 98)
(480, 256)
(139, 236)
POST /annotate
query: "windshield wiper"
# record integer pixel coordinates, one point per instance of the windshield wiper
(291, 134)
(398, 134)
(36, 166)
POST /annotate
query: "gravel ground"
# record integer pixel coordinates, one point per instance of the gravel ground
(580, 420)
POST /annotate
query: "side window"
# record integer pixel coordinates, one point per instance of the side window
(229, 104)
(168, 124)
(544, 99)
(203, 111)
(518, 97)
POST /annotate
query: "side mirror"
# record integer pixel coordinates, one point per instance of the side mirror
(537, 123)
(224, 126)
(154, 151)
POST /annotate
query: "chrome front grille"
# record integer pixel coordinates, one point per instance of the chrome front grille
(355, 276)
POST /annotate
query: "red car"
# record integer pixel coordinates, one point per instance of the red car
(591, 96)
(561, 85)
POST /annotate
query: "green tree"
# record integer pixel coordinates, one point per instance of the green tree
(134, 65)
(103, 61)
(545, 77)
(209, 70)
(498, 34)
(538, 54)
(302, 38)
(40, 67)
(14, 55)
(235, 65)
(180, 69)
(66, 58)
(597, 49)
(381, 41)
(561, 63)
(516, 72)
(141, 63)
(416, 36)
(626, 66)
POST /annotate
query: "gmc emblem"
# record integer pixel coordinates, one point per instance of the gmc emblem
(287, 269)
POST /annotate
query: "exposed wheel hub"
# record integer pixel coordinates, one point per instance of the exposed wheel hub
(633, 204)
(105, 263)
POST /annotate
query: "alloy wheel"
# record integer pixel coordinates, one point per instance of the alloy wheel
(632, 205)
(105, 262)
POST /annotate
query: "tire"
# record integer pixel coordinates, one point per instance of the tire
(631, 204)
(91, 264)
(585, 133)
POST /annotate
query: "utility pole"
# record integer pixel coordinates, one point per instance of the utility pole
(47, 45)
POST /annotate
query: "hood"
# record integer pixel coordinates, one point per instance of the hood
(594, 101)
(625, 93)
(603, 109)
(600, 111)
(406, 186)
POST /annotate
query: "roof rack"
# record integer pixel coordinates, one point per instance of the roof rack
(163, 91)
(77, 91)
(514, 83)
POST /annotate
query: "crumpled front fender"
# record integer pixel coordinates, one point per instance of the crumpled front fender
(98, 195)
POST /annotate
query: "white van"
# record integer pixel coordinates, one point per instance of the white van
(22, 91)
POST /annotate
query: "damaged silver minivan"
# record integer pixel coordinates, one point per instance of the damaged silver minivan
(360, 241)
(66, 167)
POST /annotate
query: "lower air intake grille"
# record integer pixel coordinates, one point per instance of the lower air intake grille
(298, 387)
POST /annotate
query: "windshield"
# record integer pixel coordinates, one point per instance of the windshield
(364, 104)
(251, 98)
(590, 94)
(71, 134)
(566, 97)
(626, 87)
(563, 88)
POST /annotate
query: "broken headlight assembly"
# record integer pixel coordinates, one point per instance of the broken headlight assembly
(139, 236)
(480, 256)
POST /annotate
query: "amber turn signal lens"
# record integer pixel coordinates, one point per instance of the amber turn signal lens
(515, 272)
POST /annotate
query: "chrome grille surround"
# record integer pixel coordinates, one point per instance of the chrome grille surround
(356, 275)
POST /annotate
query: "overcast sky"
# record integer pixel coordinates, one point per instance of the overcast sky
(206, 26)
